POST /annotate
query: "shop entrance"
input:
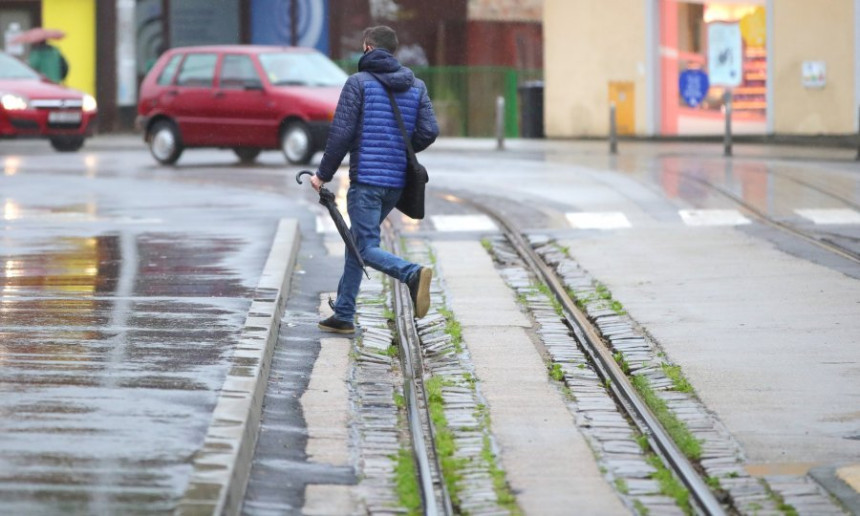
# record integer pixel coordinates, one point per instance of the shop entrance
(684, 46)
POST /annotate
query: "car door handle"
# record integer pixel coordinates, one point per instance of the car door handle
(218, 94)
(171, 92)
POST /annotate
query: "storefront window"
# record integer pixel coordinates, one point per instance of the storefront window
(684, 47)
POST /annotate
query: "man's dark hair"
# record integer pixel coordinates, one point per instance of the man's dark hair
(381, 36)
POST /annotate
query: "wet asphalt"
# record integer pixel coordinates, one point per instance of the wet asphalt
(121, 299)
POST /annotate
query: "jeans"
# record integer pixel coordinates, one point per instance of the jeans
(368, 206)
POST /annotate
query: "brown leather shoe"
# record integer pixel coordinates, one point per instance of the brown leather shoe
(419, 291)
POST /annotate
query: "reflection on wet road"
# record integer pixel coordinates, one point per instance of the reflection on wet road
(106, 359)
(120, 305)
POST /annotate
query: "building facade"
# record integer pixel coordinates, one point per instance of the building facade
(111, 44)
(795, 66)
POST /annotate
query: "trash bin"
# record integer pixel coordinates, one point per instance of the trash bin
(531, 109)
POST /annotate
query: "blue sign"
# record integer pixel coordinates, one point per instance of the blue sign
(693, 86)
(271, 25)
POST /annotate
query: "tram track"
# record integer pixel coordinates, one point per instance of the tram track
(436, 499)
(626, 395)
(827, 244)
(706, 495)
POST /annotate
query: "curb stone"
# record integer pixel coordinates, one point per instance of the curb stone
(221, 467)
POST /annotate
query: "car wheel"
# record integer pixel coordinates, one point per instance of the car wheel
(164, 142)
(296, 143)
(67, 143)
(247, 154)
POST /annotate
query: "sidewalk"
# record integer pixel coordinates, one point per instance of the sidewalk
(649, 149)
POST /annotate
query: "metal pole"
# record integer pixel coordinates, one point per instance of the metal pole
(727, 140)
(613, 130)
(500, 123)
(858, 134)
(294, 23)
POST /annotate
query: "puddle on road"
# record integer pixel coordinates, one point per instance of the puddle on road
(112, 348)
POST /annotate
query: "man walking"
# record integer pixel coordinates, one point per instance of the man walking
(364, 125)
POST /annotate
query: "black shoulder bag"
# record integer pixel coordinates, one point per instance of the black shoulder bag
(411, 201)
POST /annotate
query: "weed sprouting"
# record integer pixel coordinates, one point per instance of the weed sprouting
(686, 441)
(673, 372)
(406, 480)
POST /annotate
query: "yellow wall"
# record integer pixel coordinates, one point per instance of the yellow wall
(77, 18)
(822, 30)
(587, 44)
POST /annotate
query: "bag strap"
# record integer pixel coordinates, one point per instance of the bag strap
(410, 152)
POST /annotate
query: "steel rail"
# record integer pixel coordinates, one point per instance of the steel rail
(434, 494)
(788, 228)
(612, 374)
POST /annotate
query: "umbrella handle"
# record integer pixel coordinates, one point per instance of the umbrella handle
(300, 174)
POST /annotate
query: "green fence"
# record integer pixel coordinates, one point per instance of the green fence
(464, 97)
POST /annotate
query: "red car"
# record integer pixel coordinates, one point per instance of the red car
(33, 106)
(247, 98)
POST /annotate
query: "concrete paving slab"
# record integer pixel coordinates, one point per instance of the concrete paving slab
(325, 403)
(477, 299)
(547, 461)
(326, 500)
(773, 357)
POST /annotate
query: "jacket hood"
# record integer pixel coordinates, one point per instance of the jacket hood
(387, 68)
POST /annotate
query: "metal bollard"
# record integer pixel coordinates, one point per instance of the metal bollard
(613, 130)
(858, 134)
(500, 123)
(727, 138)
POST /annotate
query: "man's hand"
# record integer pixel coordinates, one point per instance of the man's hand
(316, 182)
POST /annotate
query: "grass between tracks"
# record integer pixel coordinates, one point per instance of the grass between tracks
(601, 298)
(504, 495)
(452, 467)
(678, 431)
(452, 327)
(407, 483)
(445, 447)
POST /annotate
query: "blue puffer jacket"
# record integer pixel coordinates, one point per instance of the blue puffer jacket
(364, 123)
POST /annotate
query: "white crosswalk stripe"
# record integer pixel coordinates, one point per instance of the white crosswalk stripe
(713, 218)
(463, 223)
(830, 216)
(609, 220)
(598, 220)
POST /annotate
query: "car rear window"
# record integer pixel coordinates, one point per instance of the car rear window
(169, 71)
(238, 72)
(198, 70)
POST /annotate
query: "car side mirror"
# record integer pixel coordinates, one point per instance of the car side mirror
(253, 86)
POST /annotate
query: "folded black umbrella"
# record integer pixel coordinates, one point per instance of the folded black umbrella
(327, 200)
